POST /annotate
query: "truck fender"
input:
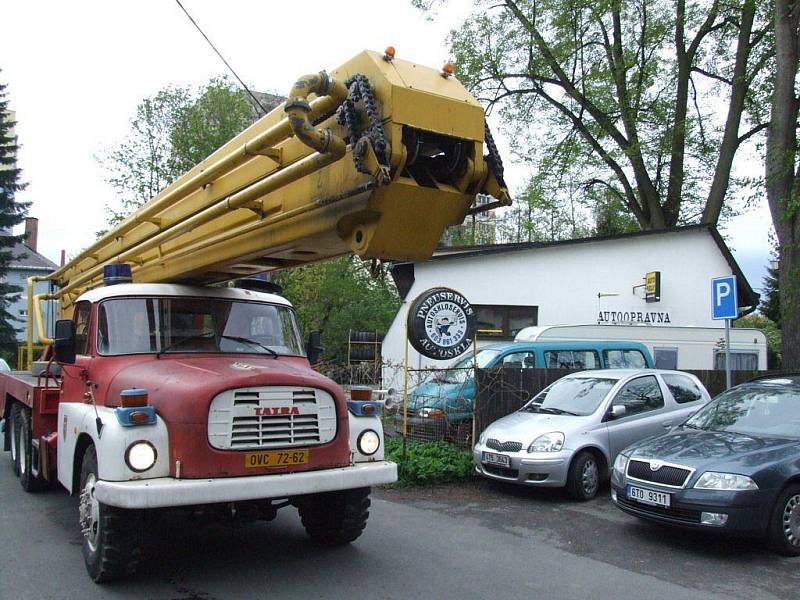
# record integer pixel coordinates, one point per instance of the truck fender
(77, 429)
(359, 425)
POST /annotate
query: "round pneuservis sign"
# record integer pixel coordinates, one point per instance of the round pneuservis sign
(441, 324)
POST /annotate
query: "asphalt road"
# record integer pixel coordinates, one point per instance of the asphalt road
(469, 541)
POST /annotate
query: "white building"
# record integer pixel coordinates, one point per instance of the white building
(585, 281)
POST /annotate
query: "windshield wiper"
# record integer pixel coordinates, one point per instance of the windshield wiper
(183, 340)
(245, 340)
(556, 411)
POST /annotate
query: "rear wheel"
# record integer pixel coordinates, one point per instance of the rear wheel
(783, 535)
(583, 480)
(13, 425)
(335, 518)
(111, 536)
(30, 481)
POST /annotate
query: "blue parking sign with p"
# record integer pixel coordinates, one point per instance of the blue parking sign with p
(723, 298)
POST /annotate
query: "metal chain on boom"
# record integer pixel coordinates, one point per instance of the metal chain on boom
(361, 90)
(493, 158)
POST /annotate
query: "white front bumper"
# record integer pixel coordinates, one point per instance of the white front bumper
(166, 491)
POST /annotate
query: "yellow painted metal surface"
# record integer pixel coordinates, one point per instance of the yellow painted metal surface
(269, 200)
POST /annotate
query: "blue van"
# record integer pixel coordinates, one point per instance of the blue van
(449, 395)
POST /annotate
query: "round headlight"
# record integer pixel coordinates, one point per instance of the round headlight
(140, 456)
(368, 442)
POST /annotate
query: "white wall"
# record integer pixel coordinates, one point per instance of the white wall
(564, 281)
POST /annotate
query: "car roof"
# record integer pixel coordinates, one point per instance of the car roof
(777, 379)
(624, 373)
(565, 345)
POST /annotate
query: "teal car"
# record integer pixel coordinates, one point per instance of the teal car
(449, 395)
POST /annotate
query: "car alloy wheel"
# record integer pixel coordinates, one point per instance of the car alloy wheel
(590, 477)
(790, 520)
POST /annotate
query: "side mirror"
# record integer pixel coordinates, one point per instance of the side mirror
(64, 341)
(618, 411)
(314, 346)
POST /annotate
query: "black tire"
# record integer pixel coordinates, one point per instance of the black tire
(335, 518)
(30, 483)
(583, 481)
(111, 537)
(783, 534)
(13, 425)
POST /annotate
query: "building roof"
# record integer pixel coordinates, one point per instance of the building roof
(403, 271)
(23, 257)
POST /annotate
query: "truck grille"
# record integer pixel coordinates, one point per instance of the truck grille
(670, 475)
(271, 417)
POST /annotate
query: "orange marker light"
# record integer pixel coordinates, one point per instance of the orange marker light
(448, 69)
(139, 417)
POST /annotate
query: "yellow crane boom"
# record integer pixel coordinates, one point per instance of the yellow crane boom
(376, 158)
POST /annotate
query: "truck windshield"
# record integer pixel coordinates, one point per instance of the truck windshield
(144, 325)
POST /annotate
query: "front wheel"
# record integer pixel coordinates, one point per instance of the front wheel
(783, 534)
(583, 480)
(111, 537)
(335, 518)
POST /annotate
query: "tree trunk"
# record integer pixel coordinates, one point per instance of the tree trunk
(782, 178)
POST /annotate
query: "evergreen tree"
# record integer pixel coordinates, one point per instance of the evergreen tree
(11, 213)
(771, 297)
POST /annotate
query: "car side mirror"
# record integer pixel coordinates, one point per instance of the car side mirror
(64, 341)
(314, 346)
(617, 411)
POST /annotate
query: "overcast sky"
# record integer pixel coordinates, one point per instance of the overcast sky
(77, 70)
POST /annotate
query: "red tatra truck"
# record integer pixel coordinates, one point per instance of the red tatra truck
(162, 387)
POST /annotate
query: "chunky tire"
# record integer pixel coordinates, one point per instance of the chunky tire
(583, 481)
(783, 535)
(30, 482)
(13, 425)
(111, 537)
(335, 518)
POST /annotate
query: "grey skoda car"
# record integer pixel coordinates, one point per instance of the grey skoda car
(569, 434)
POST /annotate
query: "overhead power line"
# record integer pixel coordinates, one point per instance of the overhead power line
(230, 68)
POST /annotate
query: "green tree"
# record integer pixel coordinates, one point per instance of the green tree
(338, 295)
(12, 212)
(171, 132)
(631, 89)
(770, 305)
(773, 333)
(783, 173)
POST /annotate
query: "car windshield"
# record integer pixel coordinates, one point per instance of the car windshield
(578, 396)
(752, 410)
(179, 324)
(460, 371)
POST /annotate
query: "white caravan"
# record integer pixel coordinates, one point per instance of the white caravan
(700, 348)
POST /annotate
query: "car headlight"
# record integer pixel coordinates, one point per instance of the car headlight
(484, 436)
(140, 456)
(549, 442)
(368, 442)
(620, 464)
(728, 482)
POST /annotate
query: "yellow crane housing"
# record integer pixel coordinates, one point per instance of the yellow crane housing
(376, 158)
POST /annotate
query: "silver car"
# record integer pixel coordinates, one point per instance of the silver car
(569, 434)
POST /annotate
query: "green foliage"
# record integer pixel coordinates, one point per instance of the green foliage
(171, 132)
(429, 462)
(12, 213)
(337, 295)
(770, 305)
(773, 333)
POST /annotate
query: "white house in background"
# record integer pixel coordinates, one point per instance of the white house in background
(591, 281)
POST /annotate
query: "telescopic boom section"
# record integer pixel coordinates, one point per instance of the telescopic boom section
(377, 158)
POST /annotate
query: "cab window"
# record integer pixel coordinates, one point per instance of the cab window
(519, 360)
(82, 312)
(640, 395)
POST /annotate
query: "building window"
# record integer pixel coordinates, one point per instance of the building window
(504, 322)
(666, 358)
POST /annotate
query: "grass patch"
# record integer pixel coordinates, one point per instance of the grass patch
(429, 462)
